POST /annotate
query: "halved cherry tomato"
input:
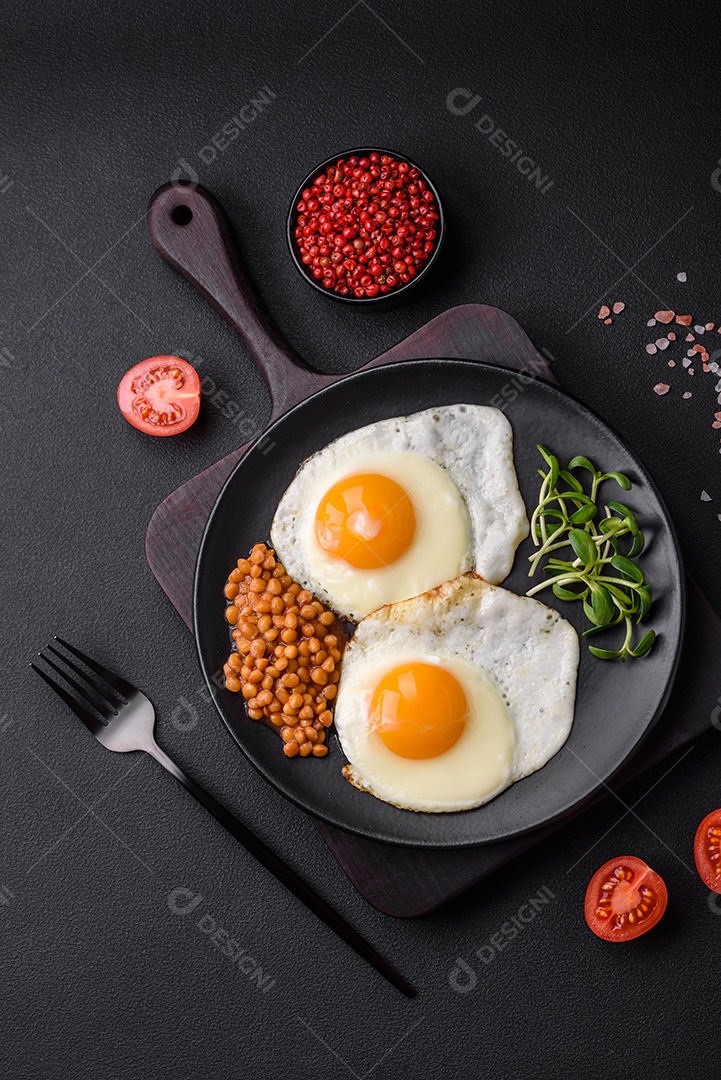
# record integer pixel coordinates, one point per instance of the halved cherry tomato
(160, 395)
(624, 899)
(707, 850)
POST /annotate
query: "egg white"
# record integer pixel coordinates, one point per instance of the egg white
(526, 652)
(455, 462)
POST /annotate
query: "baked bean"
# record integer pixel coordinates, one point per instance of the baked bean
(278, 627)
(319, 751)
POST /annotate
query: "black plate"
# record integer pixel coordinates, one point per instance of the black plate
(617, 704)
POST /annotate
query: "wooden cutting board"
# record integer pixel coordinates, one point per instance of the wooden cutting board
(405, 882)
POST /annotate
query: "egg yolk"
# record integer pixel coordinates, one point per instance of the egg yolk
(419, 710)
(366, 520)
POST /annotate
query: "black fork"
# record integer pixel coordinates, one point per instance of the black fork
(122, 719)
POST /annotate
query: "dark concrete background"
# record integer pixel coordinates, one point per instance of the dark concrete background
(619, 108)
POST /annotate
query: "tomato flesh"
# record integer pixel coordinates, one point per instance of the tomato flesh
(624, 899)
(160, 395)
(707, 850)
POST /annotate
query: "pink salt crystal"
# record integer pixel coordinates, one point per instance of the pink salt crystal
(652, 322)
(672, 363)
(662, 343)
(604, 311)
(618, 307)
(709, 326)
(651, 349)
(689, 337)
(664, 316)
(672, 336)
(661, 388)
(687, 395)
(607, 322)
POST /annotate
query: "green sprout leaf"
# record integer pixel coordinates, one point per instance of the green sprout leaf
(583, 545)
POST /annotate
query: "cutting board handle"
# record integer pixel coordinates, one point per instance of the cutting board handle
(192, 232)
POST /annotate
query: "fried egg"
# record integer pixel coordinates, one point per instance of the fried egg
(397, 507)
(448, 698)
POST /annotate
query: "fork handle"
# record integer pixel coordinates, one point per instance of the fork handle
(283, 873)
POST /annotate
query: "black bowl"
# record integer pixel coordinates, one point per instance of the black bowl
(394, 295)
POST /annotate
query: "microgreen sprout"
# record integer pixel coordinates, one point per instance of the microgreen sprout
(600, 542)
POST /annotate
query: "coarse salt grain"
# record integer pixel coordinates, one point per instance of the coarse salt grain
(618, 307)
(684, 320)
(661, 388)
(687, 395)
(607, 322)
(705, 497)
(651, 349)
(689, 337)
(652, 322)
(709, 326)
(662, 343)
(700, 329)
(603, 312)
(681, 276)
(664, 316)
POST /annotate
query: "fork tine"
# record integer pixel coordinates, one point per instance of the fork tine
(107, 711)
(91, 722)
(103, 694)
(124, 688)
